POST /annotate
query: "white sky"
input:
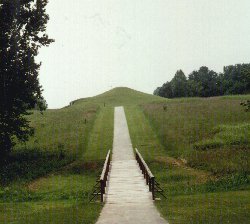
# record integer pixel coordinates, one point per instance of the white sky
(102, 44)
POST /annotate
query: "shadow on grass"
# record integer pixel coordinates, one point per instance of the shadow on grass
(25, 165)
(84, 167)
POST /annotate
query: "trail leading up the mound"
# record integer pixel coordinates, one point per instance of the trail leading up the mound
(128, 199)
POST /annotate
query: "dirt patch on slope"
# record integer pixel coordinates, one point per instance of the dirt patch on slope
(202, 176)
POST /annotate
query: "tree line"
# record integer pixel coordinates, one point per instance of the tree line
(235, 79)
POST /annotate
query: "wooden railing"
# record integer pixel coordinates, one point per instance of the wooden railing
(104, 175)
(99, 188)
(153, 185)
(148, 176)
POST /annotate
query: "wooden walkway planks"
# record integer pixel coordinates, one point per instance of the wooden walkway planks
(128, 199)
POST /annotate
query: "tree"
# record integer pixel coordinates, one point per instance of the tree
(41, 105)
(167, 90)
(179, 84)
(193, 88)
(156, 91)
(236, 79)
(22, 33)
(206, 81)
(164, 91)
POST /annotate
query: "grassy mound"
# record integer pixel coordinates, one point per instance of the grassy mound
(198, 149)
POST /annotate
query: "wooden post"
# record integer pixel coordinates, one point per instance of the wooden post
(102, 189)
(149, 185)
(153, 187)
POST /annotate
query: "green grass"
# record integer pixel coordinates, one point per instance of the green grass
(211, 123)
(49, 179)
(202, 186)
(226, 207)
(101, 136)
(65, 129)
(63, 211)
(227, 135)
(198, 149)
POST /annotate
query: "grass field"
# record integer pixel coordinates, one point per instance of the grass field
(217, 128)
(203, 184)
(50, 178)
(198, 149)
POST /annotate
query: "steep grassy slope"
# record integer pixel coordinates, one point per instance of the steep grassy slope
(211, 134)
(188, 144)
(204, 182)
(49, 179)
(193, 195)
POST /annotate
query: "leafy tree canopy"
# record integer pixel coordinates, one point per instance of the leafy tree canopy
(179, 84)
(235, 79)
(22, 33)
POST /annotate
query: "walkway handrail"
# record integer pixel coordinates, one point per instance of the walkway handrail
(150, 179)
(104, 175)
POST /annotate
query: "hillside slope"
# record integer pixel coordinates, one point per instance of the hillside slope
(198, 149)
(53, 172)
(121, 96)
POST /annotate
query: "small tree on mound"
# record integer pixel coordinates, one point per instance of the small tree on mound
(22, 33)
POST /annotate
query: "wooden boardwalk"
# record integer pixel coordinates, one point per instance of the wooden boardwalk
(128, 199)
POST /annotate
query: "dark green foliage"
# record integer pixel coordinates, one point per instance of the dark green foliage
(22, 33)
(235, 79)
(205, 81)
(41, 105)
(246, 105)
(179, 84)
(166, 90)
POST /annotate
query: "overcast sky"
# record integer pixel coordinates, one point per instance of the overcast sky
(102, 44)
